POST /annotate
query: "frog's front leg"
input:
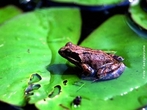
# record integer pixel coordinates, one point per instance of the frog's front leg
(88, 71)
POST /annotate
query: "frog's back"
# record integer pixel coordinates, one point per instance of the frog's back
(96, 56)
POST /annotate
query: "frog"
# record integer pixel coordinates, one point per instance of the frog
(97, 65)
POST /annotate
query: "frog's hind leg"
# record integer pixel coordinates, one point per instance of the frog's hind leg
(111, 75)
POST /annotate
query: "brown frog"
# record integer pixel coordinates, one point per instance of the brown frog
(96, 64)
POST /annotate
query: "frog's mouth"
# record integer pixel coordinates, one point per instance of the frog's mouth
(73, 60)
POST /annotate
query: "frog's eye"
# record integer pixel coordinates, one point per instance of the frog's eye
(68, 52)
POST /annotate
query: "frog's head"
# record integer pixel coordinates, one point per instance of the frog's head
(70, 52)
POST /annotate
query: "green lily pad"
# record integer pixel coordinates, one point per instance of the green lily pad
(8, 12)
(25, 51)
(90, 2)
